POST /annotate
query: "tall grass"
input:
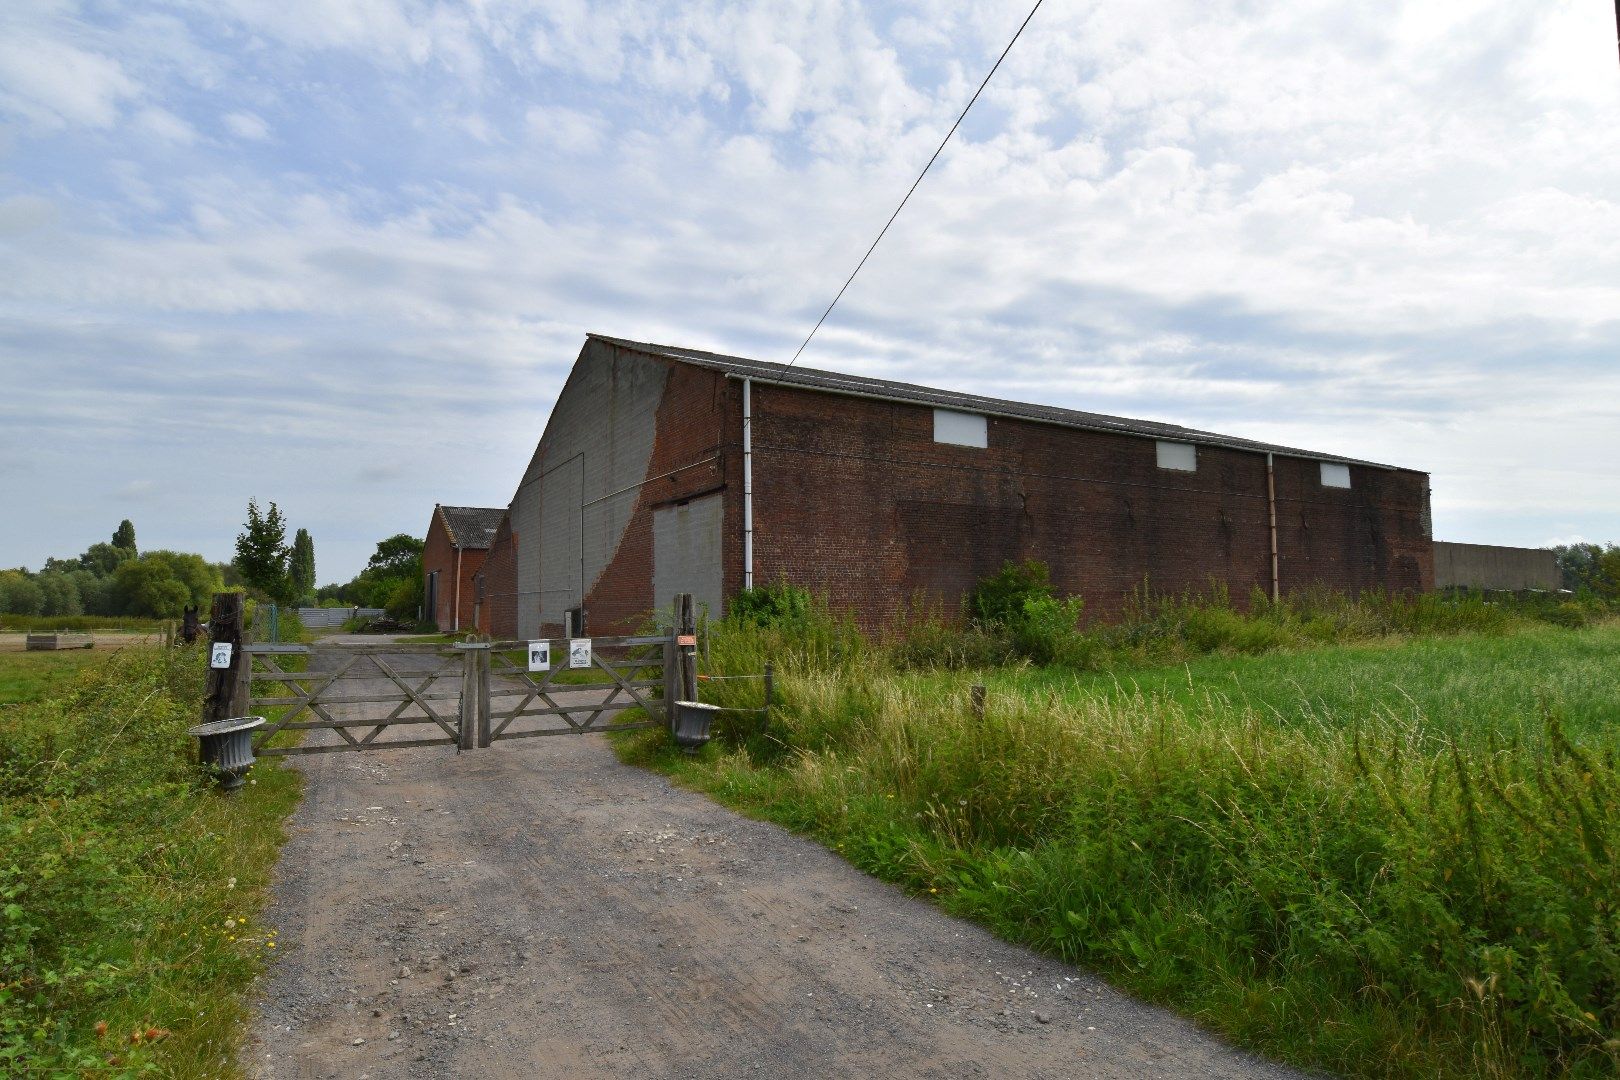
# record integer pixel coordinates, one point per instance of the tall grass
(1388, 893)
(129, 888)
(1155, 629)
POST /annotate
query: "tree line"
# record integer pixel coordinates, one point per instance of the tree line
(114, 578)
(285, 573)
(1590, 568)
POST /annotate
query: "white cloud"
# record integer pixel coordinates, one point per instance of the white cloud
(52, 83)
(163, 125)
(572, 131)
(1347, 227)
(247, 125)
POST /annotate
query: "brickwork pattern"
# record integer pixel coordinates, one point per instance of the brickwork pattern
(497, 615)
(855, 499)
(439, 554)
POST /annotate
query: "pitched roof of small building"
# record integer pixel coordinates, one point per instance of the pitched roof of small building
(885, 389)
(472, 527)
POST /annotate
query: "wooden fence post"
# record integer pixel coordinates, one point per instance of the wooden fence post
(770, 684)
(226, 693)
(672, 673)
(977, 693)
(484, 738)
(467, 719)
(689, 691)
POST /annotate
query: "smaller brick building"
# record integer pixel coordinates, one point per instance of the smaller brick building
(458, 539)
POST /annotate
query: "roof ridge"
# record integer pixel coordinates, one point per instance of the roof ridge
(917, 393)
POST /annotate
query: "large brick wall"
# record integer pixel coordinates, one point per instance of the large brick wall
(439, 554)
(854, 498)
(497, 613)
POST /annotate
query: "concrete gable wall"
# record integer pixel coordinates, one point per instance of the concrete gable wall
(599, 440)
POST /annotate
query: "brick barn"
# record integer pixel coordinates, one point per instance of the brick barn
(458, 540)
(665, 470)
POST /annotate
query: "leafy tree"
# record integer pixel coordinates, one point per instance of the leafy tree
(61, 594)
(95, 593)
(1606, 582)
(124, 536)
(396, 556)
(147, 587)
(301, 566)
(1590, 566)
(261, 552)
(160, 584)
(405, 599)
(20, 594)
(103, 560)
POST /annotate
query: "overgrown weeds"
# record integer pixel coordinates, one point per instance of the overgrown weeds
(1375, 891)
(129, 889)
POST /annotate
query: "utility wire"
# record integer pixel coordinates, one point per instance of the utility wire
(919, 179)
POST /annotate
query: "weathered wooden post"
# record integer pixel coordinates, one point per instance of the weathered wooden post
(688, 645)
(977, 693)
(672, 673)
(485, 738)
(770, 683)
(226, 693)
(467, 718)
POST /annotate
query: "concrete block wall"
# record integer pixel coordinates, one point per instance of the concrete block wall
(622, 421)
(1489, 566)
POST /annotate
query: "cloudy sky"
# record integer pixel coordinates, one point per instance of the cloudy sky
(340, 253)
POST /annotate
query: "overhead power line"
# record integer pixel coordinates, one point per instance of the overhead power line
(919, 179)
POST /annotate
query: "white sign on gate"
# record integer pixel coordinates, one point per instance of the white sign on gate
(220, 655)
(579, 653)
(539, 656)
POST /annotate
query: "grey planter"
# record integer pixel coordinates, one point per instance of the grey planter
(692, 720)
(226, 748)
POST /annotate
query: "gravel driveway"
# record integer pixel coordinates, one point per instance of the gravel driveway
(537, 909)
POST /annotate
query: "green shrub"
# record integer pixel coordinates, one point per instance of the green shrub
(998, 600)
(118, 870)
(771, 605)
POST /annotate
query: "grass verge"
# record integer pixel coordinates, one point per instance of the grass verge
(1379, 883)
(130, 890)
(29, 676)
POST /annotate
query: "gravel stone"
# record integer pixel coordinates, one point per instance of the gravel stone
(609, 924)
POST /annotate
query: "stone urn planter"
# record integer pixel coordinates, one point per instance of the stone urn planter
(226, 748)
(692, 720)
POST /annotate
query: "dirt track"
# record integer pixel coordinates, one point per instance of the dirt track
(539, 910)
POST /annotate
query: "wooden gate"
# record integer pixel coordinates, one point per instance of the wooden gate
(473, 694)
(372, 697)
(382, 697)
(578, 691)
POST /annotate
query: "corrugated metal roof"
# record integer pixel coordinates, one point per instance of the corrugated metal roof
(859, 385)
(472, 526)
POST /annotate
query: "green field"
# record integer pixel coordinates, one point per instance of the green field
(29, 676)
(1389, 858)
(1474, 684)
(130, 890)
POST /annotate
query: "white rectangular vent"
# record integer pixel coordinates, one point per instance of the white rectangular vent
(1335, 475)
(960, 428)
(1183, 457)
